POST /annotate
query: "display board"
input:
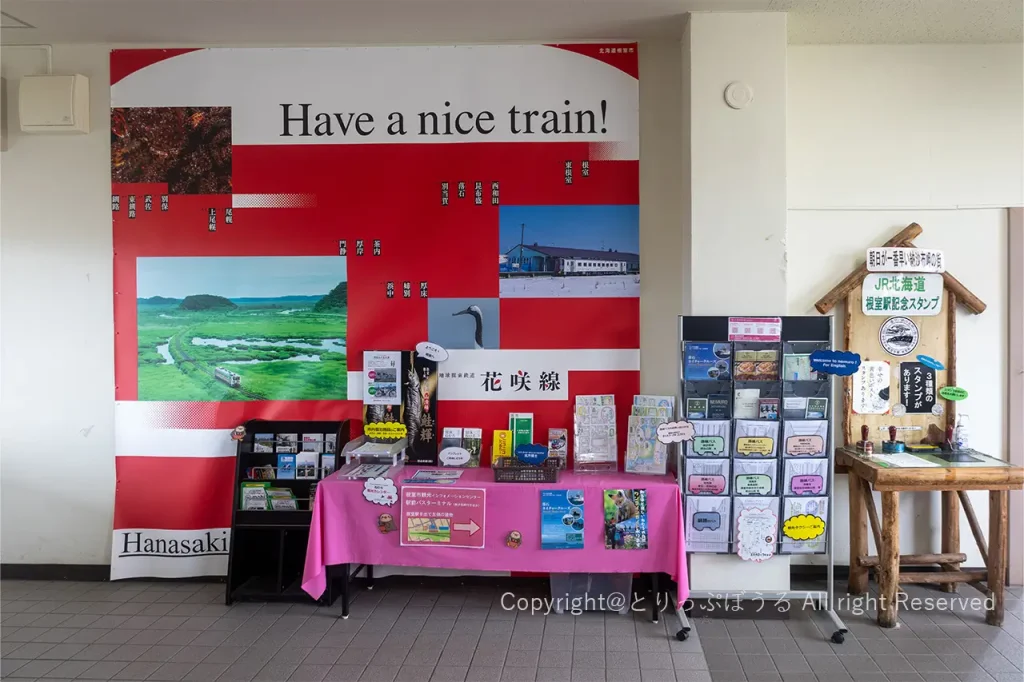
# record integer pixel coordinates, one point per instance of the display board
(893, 342)
(276, 212)
(901, 309)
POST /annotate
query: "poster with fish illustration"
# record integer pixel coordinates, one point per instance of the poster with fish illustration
(482, 198)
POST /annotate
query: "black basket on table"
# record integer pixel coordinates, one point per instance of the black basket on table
(512, 470)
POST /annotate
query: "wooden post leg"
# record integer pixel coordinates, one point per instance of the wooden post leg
(858, 536)
(889, 559)
(950, 533)
(998, 539)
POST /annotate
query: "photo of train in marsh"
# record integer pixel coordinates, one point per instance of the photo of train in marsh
(569, 251)
(242, 328)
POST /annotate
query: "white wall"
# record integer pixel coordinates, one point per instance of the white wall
(907, 126)
(56, 329)
(924, 128)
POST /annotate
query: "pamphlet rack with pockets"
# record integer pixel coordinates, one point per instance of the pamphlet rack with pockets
(757, 477)
(267, 550)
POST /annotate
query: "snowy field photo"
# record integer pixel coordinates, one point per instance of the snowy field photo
(569, 251)
(596, 286)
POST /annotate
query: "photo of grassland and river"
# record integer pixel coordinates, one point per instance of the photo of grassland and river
(216, 343)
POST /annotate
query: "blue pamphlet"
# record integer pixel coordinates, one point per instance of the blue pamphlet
(707, 362)
(561, 519)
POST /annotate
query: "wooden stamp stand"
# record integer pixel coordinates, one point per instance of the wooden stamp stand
(938, 340)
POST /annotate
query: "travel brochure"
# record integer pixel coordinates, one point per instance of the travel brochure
(625, 519)
(561, 519)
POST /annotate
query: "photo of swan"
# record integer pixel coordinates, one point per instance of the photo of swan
(463, 323)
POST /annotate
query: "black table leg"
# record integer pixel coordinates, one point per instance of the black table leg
(345, 586)
(369, 577)
(655, 596)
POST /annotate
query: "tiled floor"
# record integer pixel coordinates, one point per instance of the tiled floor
(444, 631)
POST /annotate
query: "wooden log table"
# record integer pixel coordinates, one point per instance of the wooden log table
(953, 475)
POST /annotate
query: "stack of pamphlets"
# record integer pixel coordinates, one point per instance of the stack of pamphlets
(645, 454)
(596, 434)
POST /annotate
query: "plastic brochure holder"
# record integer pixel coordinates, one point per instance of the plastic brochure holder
(367, 452)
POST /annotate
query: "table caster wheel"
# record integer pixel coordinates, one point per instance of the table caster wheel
(683, 634)
(838, 637)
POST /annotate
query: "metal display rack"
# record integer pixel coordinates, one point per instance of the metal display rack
(799, 334)
(267, 549)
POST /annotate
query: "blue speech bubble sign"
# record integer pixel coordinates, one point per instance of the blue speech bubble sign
(531, 453)
(839, 362)
(929, 361)
(707, 521)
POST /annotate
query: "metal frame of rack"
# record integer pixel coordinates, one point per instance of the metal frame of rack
(824, 600)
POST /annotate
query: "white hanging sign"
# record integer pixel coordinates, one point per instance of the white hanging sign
(901, 259)
(913, 295)
(870, 388)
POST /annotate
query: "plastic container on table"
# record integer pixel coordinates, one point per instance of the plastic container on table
(575, 592)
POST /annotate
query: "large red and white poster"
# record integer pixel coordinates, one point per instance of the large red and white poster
(277, 212)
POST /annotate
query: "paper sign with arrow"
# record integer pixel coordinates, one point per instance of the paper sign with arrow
(443, 517)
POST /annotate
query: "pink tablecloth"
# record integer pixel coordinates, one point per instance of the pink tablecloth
(344, 530)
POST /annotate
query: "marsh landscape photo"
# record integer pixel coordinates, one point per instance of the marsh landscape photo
(242, 328)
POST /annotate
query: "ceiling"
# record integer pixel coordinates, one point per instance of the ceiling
(312, 22)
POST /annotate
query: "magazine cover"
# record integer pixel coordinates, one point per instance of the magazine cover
(625, 519)
(561, 519)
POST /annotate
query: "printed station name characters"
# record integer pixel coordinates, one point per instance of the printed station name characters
(518, 381)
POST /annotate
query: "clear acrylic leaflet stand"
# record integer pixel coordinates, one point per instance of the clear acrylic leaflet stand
(806, 328)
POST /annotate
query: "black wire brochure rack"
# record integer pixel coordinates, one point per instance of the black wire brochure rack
(267, 550)
(762, 450)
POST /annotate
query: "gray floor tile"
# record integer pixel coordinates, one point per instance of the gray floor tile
(172, 671)
(307, 673)
(69, 669)
(103, 670)
(137, 670)
(589, 659)
(8, 666)
(657, 675)
(380, 673)
(689, 662)
(722, 662)
(272, 672)
(414, 632)
(622, 674)
(749, 645)
(588, 675)
(693, 675)
(407, 673)
(653, 660)
(791, 663)
(728, 676)
(95, 652)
